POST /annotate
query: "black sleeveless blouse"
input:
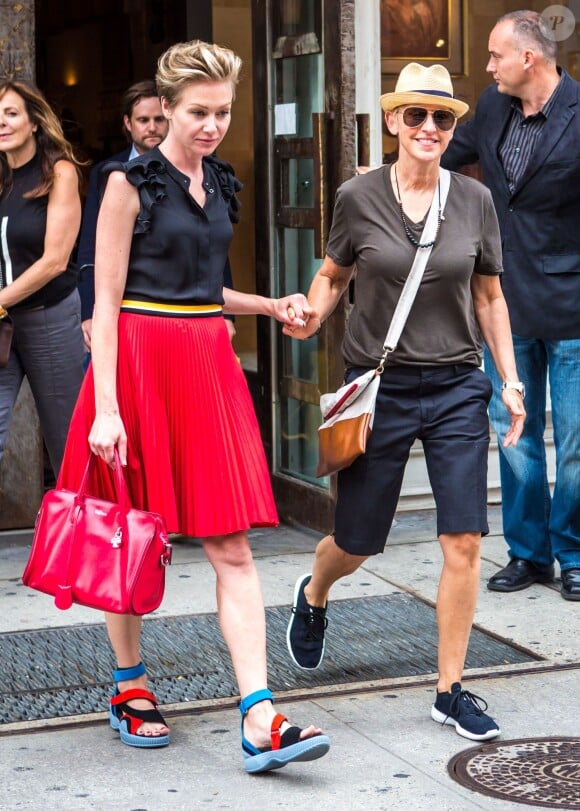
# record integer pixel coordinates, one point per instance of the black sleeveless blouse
(179, 249)
(22, 235)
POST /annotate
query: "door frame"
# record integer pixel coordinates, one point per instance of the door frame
(298, 501)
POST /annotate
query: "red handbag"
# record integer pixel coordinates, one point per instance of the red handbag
(96, 553)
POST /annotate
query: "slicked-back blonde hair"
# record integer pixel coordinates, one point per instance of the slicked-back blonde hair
(195, 61)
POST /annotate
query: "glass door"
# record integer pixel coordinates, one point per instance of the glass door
(300, 223)
(305, 151)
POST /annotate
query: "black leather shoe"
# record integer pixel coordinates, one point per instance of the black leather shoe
(570, 588)
(519, 574)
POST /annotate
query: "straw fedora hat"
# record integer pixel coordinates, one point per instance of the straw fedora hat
(420, 85)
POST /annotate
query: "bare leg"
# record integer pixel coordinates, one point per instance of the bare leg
(330, 564)
(243, 624)
(456, 601)
(125, 635)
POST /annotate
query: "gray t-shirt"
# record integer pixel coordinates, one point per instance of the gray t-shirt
(367, 230)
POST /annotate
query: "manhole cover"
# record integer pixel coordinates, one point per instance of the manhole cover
(532, 771)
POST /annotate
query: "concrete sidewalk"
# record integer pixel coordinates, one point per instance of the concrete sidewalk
(386, 753)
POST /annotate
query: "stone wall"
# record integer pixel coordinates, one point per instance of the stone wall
(17, 44)
(21, 470)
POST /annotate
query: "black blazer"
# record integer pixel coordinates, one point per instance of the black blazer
(540, 219)
(86, 249)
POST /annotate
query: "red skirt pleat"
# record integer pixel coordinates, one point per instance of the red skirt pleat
(195, 453)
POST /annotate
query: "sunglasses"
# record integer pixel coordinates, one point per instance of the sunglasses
(415, 116)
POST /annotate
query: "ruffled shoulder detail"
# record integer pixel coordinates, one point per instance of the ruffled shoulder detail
(146, 174)
(229, 184)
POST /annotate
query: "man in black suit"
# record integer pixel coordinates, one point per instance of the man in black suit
(526, 135)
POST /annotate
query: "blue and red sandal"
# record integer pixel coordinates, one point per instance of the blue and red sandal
(286, 747)
(126, 720)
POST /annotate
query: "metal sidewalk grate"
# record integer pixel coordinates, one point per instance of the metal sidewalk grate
(59, 672)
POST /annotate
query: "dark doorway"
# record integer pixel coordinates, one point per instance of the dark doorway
(87, 54)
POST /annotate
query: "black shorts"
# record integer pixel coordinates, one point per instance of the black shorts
(446, 408)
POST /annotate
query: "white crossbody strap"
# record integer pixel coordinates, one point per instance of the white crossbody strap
(409, 291)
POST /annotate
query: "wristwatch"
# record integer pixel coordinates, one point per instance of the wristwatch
(517, 385)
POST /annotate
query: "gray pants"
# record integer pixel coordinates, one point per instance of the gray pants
(48, 348)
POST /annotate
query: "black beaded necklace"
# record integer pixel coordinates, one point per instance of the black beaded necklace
(410, 236)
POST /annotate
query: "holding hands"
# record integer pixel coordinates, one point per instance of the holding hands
(297, 316)
(299, 319)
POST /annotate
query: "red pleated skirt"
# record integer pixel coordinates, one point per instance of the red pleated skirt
(195, 453)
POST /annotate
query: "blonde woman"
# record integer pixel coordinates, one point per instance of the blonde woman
(167, 392)
(40, 214)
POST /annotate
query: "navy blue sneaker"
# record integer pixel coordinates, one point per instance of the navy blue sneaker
(466, 712)
(305, 634)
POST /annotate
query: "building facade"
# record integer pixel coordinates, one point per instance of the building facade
(306, 114)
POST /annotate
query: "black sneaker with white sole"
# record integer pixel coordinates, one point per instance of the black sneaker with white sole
(305, 634)
(466, 712)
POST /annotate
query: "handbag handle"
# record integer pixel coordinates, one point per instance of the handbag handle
(413, 280)
(63, 597)
(121, 491)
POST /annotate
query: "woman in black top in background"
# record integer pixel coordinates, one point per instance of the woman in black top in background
(40, 212)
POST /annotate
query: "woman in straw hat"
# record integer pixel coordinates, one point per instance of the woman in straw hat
(432, 387)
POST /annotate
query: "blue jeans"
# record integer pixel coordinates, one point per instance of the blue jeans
(539, 526)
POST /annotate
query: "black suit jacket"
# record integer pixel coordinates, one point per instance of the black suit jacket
(86, 249)
(540, 219)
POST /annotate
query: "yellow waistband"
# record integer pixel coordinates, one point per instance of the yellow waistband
(158, 308)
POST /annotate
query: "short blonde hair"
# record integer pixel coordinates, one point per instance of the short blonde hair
(195, 61)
